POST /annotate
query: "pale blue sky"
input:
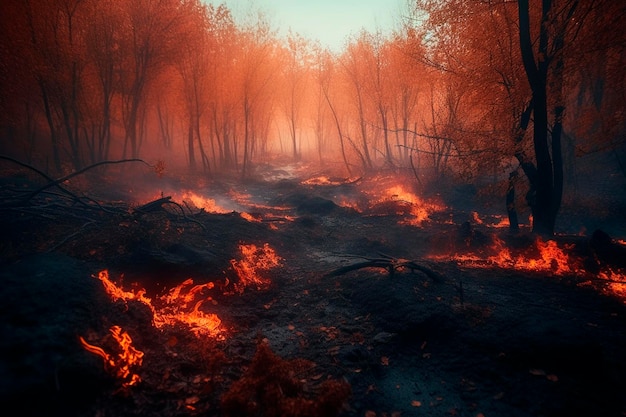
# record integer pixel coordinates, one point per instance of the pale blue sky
(329, 21)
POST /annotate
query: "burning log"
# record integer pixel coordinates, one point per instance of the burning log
(157, 205)
(389, 263)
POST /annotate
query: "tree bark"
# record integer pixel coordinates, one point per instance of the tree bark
(543, 204)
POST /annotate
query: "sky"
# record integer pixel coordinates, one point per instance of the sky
(329, 21)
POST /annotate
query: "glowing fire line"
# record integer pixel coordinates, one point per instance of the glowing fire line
(548, 257)
(119, 365)
(180, 305)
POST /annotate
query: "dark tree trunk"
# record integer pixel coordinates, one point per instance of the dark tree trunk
(510, 203)
(547, 181)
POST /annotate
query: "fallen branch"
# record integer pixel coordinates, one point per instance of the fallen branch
(51, 181)
(68, 238)
(389, 263)
(157, 205)
(80, 171)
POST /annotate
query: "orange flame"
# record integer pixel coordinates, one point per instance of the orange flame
(207, 204)
(420, 210)
(255, 260)
(117, 293)
(119, 365)
(177, 309)
(545, 256)
(550, 258)
(320, 180)
(176, 306)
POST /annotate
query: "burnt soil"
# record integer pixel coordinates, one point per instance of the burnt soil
(478, 340)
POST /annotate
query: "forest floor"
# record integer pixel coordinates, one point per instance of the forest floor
(462, 335)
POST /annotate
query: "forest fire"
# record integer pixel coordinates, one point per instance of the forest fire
(123, 364)
(545, 256)
(182, 303)
(496, 222)
(210, 210)
(393, 200)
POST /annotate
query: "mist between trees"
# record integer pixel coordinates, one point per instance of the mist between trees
(463, 90)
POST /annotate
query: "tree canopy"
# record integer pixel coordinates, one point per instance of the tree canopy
(469, 90)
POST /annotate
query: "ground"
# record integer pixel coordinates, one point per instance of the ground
(468, 338)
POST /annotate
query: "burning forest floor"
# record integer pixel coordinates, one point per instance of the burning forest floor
(298, 296)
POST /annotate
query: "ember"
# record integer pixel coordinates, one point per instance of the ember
(207, 204)
(544, 256)
(181, 305)
(419, 210)
(550, 258)
(122, 364)
(255, 261)
(117, 293)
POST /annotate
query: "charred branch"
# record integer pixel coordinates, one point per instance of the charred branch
(158, 205)
(389, 263)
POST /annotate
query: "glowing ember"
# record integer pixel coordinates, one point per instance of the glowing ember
(321, 180)
(419, 210)
(550, 258)
(545, 256)
(254, 261)
(117, 293)
(239, 197)
(343, 201)
(207, 204)
(476, 218)
(181, 305)
(249, 217)
(502, 223)
(246, 200)
(120, 365)
(616, 282)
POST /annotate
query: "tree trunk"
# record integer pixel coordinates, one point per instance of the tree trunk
(546, 201)
(190, 146)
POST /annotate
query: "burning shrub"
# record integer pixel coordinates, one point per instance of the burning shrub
(274, 387)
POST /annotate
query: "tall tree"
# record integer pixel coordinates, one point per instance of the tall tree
(295, 76)
(152, 40)
(538, 59)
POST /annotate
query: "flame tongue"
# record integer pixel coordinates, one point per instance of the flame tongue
(254, 261)
(182, 304)
(549, 257)
(176, 309)
(121, 365)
